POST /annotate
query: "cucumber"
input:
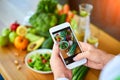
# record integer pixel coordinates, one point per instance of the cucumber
(48, 43)
(81, 73)
(75, 70)
(44, 34)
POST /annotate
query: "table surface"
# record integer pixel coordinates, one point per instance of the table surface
(8, 54)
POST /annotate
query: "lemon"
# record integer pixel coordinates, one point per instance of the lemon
(83, 13)
(92, 40)
(21, 30)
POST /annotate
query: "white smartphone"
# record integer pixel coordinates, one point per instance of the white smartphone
(68, 44)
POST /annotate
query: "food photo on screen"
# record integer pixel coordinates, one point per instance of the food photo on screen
(67, 44)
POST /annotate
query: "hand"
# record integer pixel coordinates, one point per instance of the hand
(96, 58)
(57, 66)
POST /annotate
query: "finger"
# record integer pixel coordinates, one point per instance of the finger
(93, 65)
(55, 51)
(85, 46)
(80, 56)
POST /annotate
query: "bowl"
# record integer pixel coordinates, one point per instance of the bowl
(34, 56)
(63, 45)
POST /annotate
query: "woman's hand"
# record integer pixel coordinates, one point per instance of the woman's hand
(58, 68)
(96, 58)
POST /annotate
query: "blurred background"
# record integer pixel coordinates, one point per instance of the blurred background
(105, 14)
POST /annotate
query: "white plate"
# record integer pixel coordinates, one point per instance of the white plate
(39, 51)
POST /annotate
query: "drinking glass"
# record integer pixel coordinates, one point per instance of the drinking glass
(84, 21)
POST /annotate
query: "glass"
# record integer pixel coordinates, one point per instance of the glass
(94, 38)
(83, 30)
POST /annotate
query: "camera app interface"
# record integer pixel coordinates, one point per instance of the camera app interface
(67, 44)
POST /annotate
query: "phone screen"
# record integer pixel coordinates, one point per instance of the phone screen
(67, 44)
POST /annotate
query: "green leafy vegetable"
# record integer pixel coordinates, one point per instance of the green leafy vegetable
(45, 16)
(43, 21)
(40, 62)
(47, 6)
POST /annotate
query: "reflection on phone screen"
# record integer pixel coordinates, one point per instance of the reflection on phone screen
(67, 43)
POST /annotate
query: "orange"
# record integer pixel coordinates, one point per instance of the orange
(21, 42)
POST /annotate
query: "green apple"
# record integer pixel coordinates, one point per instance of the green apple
(5, 32)
(12, 36)
(3, 40)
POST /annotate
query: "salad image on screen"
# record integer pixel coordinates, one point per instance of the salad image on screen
(67, 44)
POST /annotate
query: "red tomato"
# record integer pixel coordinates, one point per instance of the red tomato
(44, 61)
(29, 60)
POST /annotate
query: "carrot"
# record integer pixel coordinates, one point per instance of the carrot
(60, 12)
(69, 16)
(66, 8)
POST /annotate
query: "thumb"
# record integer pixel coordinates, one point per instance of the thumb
(80, 56)
(55, 51)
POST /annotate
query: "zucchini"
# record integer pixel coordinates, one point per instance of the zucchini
(72, 49)
(48, 43)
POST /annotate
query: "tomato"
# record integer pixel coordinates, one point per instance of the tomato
(29, 60)
(44, 61)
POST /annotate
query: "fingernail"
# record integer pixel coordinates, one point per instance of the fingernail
(74, 59)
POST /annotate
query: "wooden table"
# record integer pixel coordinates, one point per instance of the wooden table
(17, 10)
(8, 55)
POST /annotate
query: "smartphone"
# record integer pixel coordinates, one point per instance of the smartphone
(68, 44)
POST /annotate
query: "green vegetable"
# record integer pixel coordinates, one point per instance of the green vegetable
(44, 34)
(74, 24)
(75, 70)
(47, 6)
(117, 78)
(80, 74)
(72, 49)
(43, 21)
(61, 18)
(40, 62)
(48, 43)
(63, 45)
(44, 17)
(32, 37)
(83, 73)
(63, 34)
(46, 56)
(38, 65)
